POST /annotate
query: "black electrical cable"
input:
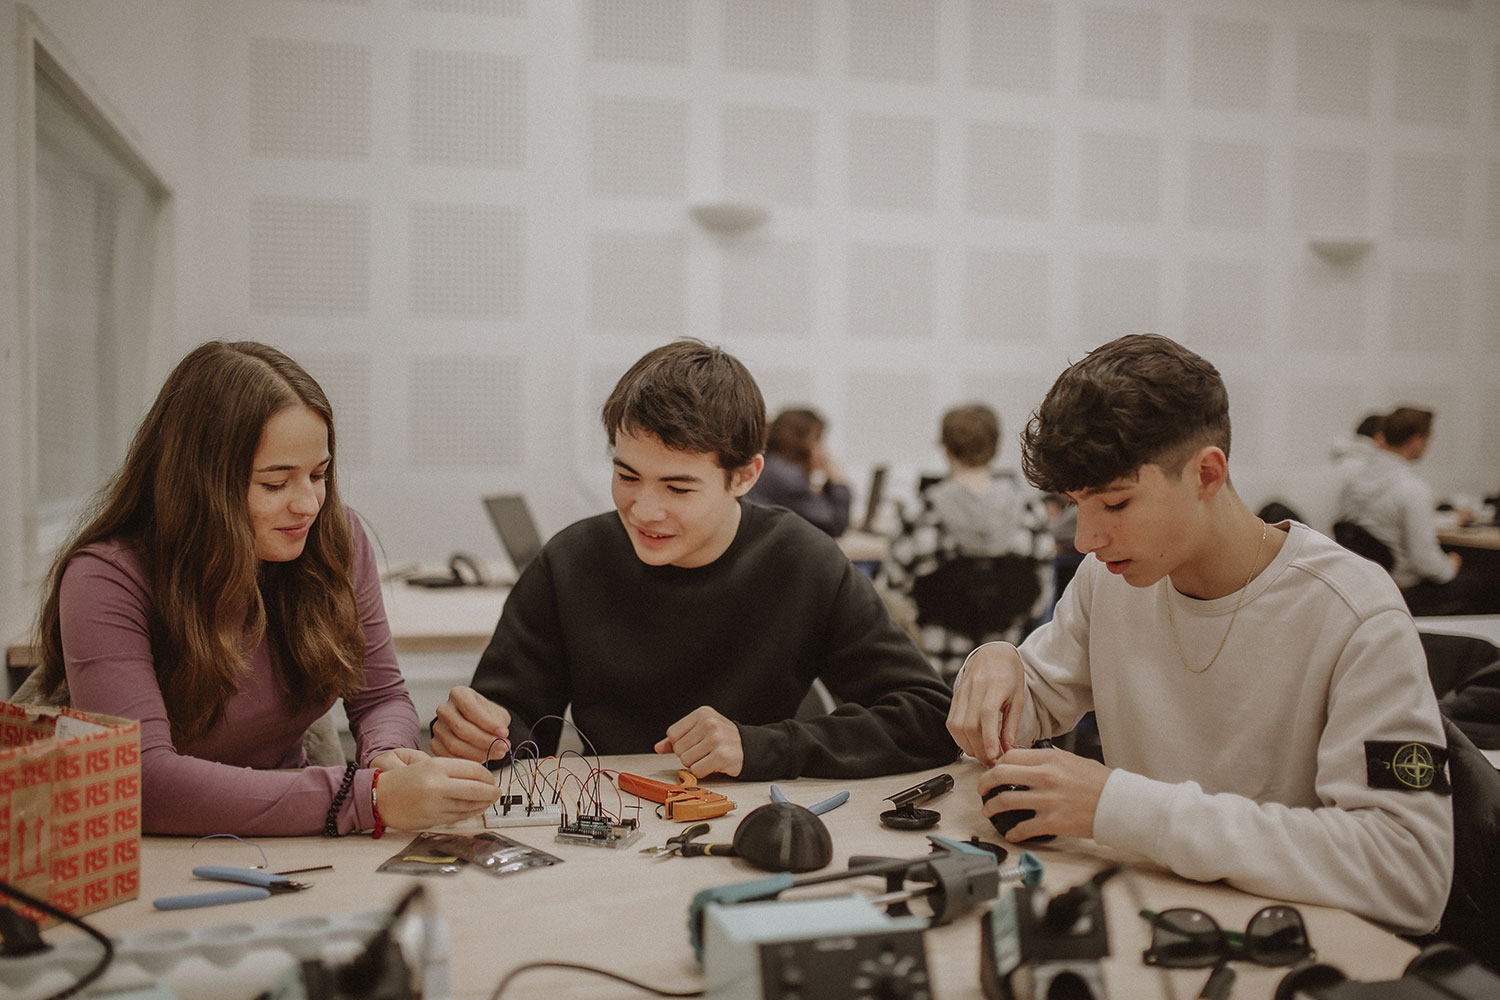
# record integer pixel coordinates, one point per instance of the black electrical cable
(368, 966)
(576, 967)
(40, 904)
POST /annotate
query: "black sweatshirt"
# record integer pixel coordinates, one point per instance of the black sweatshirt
(633, 648)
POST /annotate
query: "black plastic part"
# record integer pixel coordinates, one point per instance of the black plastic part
(1003, 821)
(909, 818)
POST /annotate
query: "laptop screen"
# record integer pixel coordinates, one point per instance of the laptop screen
(516, 527)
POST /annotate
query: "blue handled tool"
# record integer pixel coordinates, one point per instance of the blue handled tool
(832, 802)
(258, 885)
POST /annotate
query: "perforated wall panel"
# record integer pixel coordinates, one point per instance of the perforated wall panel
(890, 292)
(482, 8)
(1432, 80)
(1330, 190)
(466, 411)
(467, 260)
(1328, 306)
(771, 153)
(770, 287)
(468, 109)
(1227, 185)
(309, 100)
(771, 35)
(1012, 45)
(637, 281)
(1231, 63)
(1226, 303)
(1007, 296)
(1427, 197)
(893, 40)
(309, 256)
(1333, 73)
(646, 31)
(892, 161)
(638, 148)
(1119, 178)
(1010, 170)
(1426, 309)
(1117, 294)
(1122, 54)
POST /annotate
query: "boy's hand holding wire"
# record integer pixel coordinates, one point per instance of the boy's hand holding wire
(467, 724)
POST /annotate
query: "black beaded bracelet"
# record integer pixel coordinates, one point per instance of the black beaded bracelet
(331, 826)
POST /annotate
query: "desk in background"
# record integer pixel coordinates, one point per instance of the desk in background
(1475, 536)
(627, 912)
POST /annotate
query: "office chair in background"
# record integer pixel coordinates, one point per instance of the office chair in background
(1357, 539)
(979, 597)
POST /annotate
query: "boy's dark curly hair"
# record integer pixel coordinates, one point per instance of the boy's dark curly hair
(1142, 398)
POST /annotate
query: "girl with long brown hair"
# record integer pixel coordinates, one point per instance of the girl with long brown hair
(223, 595)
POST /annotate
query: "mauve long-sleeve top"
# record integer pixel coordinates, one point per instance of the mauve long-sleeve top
(248, 774)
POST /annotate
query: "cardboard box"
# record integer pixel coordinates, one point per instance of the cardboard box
(70, 807)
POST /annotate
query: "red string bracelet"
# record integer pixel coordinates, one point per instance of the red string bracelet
(379, 824)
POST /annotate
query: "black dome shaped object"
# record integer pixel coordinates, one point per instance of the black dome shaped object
(783, 837)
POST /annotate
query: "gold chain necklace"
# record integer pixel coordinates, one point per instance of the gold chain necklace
(1235, 614)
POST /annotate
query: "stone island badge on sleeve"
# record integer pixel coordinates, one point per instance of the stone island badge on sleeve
(1407, 767)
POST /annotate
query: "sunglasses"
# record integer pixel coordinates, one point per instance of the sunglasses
(1184, 938)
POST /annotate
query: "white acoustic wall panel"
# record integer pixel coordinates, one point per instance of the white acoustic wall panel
(345, 378)
(1009, 170)
(638, 148)
(468, 109)
(467, 261)
(1226, 303)
(893, 40)
(786, 386)
(1428, 197)
(1330, 190)
(1432, 80)
(1007, 296)
(769, 287)
(1495, 87)
(1328, 309)
(1492, 205)
(1231, 63)
(638, 282)
(1011, 45)
(1426, 309)
(771, 153)
(1319, 414)
(777, 36)
(1333, 73)
(1119, 178)
(475, 8)
(644, 31)
(1227, 184)
(309, 256)
(1117, 294)
(891, 291)
(466, 411)
(890, 413)
(892, 162)
(309, 100)
(1122, 54)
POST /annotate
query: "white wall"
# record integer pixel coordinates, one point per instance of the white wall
(467, 217)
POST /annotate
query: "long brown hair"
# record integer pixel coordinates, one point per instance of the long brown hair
(181, 501)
